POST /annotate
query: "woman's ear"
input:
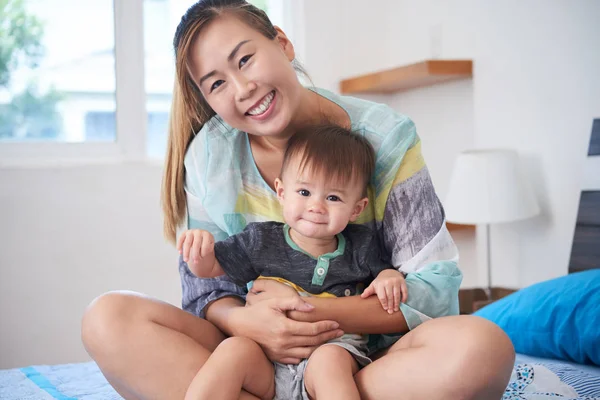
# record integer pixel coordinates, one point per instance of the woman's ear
(285, 44)
(359, 208)
(279, 190)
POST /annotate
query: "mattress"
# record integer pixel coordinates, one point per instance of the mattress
(532, 379)
(537, 378)
(63, 382)
(591, 369)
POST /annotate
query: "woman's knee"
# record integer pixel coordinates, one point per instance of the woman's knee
(485, 341)
(466, 335)
(483, 351)
(106, 319)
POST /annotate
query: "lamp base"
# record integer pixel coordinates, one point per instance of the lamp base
(471, 300)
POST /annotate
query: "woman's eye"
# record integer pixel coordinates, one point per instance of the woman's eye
(304, 192)
(333, 198)
(216, 84)
(244, 60)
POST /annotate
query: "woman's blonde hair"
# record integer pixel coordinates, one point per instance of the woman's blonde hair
(189, 109)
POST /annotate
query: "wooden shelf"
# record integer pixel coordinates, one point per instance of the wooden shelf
(426, 73)
(457, 227)
(471, 300)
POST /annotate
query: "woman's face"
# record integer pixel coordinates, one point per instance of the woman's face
(246, 78)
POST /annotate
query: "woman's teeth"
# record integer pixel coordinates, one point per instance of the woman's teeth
(262, 107)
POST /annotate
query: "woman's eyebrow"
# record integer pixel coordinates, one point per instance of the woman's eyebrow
(235, 50)
(230, 57)
(205, 77)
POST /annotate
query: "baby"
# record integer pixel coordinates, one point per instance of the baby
(322, 188)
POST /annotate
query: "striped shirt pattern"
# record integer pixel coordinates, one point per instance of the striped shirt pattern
(225, 192)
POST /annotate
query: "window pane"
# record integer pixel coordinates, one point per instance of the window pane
(160, 21)
(57, 70)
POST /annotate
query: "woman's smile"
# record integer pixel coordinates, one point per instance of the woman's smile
(261, 107)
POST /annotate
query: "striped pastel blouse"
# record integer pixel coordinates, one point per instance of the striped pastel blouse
(225, 192)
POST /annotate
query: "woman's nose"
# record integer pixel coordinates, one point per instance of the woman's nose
(244, 88)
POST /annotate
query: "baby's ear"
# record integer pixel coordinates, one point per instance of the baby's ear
(279, 190)
(358, 208)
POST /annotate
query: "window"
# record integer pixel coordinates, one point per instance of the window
(56, 70)
(99, 126)
(82, 80)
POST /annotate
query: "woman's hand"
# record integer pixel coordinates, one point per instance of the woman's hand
(265, 289)
(282, 339)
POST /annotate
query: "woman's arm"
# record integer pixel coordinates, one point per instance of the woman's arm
(283, 339)
(198, 293)
(354, 314)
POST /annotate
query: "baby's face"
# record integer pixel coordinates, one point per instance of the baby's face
(316, 207)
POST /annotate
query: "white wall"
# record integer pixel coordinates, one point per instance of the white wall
(538, 89)
(535, 88)
(68, 234)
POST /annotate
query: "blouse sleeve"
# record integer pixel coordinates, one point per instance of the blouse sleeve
(412, 228)
(197, 293)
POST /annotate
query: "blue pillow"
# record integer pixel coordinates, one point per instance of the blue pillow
(559, 318)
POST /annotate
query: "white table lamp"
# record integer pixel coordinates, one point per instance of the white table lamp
(487, 187)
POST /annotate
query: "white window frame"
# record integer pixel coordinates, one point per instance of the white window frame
(130, 99)
(130, 96)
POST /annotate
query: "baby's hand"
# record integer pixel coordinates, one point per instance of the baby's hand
(195, 244)
(390, 288)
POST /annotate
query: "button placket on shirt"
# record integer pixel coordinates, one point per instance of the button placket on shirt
(320, 271)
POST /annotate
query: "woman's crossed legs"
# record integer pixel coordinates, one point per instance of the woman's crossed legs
(148, 349)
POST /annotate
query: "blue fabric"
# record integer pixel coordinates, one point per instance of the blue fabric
(559, 318)
(82, 381)
(43, 383)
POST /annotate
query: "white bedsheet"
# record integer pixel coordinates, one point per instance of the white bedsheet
(536, 378)
(592, 369)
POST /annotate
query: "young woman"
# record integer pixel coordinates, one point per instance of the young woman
(237, 101)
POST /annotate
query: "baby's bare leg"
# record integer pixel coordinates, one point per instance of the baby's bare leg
(237, 363)
(330, 374)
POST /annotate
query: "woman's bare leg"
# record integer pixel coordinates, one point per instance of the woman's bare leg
(147, 349)
(330, 374)
(460, 357)
(236, 363)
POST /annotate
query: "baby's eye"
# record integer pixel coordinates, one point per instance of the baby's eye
(304, 192)
(216, 84)
(333, 198)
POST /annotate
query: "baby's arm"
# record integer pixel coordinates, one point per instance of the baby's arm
(390, 288)
(198, 250)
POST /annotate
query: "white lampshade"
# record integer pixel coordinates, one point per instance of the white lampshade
(488, 187)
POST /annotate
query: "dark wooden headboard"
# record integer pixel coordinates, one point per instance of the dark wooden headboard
(585, 253)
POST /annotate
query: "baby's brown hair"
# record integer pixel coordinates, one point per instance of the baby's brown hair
(337, 153)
